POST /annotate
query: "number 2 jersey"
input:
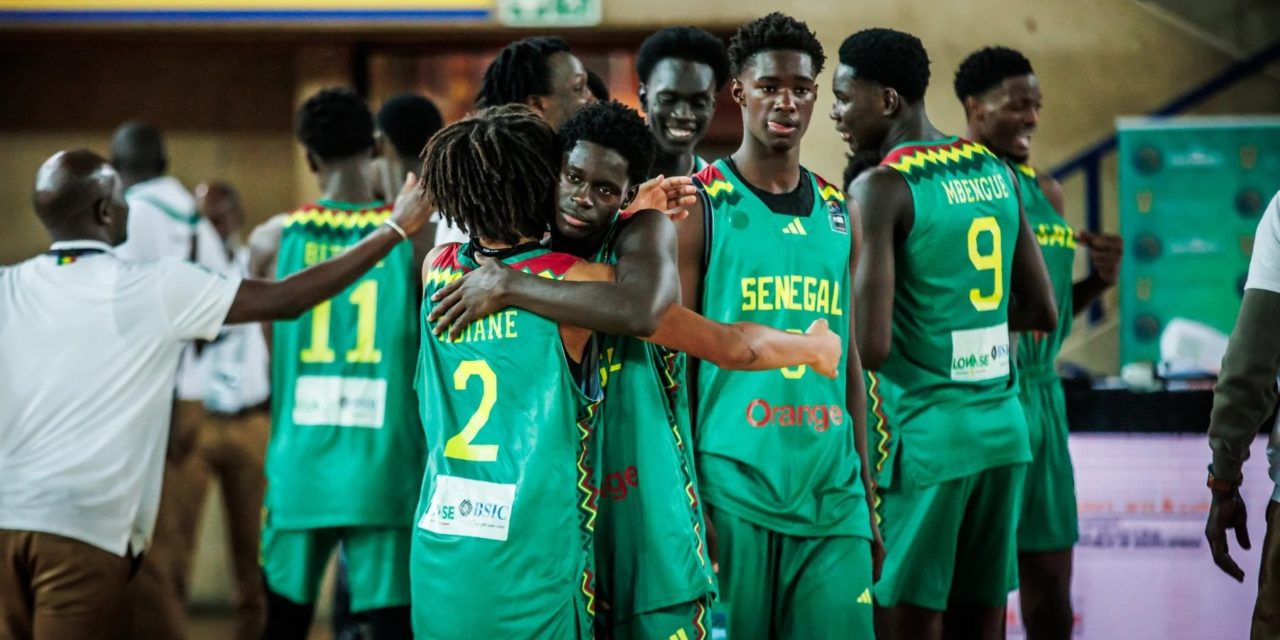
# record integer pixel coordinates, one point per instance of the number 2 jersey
(505, 520)
(956, 408)
(346, 446)
(776, 448)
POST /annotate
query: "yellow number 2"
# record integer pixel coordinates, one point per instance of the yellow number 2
(365, 298)
(459, 446)
(993, 262)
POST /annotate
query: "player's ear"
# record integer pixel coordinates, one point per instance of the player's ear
(971, 105)
(535, 103)
(892, 100)
(630, 195)
(738, 92)
(313, 162)
(644, 97)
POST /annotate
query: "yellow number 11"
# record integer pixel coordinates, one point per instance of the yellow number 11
(365, 298)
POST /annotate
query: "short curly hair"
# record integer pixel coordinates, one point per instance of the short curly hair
(774, 32)
(520, 71)
(334, 124)
(985, 69)
(683, 43)
(616, 126)
(408, 121)
(891, 58)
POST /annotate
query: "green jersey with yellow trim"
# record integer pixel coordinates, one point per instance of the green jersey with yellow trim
(1038, 350)
(958, 412)
(346, 445)
(776, 448)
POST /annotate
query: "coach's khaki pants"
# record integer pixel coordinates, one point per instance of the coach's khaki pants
(56, 588)
(230, 451)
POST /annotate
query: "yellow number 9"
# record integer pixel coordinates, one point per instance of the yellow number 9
(993, 262)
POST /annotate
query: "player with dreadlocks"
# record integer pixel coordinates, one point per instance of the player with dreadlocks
(540, 73)
(946, 253)
(781, 454)
(1001, 99)
(654, 569)
(345, 437)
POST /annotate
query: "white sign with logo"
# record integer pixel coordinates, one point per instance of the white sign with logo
(339, 402)
(549, 13)
(980, 354)
(469, 508)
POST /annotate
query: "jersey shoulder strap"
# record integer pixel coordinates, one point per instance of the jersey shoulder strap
(551, 264)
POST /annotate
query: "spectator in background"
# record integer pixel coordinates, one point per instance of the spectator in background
(405, 123)
(164, 223)
(1242, 401)
(231, 445)
(599, 90)
(91, 343)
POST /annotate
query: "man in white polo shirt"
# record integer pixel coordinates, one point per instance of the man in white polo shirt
(91, 344)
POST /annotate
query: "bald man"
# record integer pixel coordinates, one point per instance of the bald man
(91, 343)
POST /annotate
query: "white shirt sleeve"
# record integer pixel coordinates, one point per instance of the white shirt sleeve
(1264, 267)
(194, 299)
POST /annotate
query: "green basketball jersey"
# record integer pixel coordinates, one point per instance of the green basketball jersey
(502, 547)
(345, 437)
(1037, 351)
(957, 413)
(776, 447)
(650, 541)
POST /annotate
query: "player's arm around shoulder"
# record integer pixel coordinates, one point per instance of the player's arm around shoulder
(1032, 307)
(880, 204)
(691, 253)
(575, 338)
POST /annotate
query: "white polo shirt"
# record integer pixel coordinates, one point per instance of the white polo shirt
(90, 350)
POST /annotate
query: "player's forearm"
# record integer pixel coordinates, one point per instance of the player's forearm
(767, 348)
(1245, 393)
(618, 308)
(286, 299)
(1085, 293)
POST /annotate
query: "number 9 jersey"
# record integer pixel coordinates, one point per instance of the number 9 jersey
(958, 412)
(346, 446)
(503, 546)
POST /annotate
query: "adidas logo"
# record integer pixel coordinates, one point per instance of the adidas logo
(679, 635)
(795, 228)
(865, 598)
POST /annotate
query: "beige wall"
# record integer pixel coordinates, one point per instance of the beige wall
(226, 100)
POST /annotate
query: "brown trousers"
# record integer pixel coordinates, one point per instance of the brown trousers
(56, 588)
(231, 452)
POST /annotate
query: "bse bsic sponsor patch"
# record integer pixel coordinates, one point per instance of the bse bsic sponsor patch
(469, 508)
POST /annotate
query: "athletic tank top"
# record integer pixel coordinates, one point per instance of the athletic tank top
(957, 413)
(1038, 350)
(508, 501)
(345, 442)
(776, 448)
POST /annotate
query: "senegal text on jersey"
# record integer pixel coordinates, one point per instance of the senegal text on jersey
(791, 293)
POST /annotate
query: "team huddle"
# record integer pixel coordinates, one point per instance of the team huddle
(656, 397)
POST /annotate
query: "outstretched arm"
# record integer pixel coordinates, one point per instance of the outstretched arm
(748, 346)
(285, 299)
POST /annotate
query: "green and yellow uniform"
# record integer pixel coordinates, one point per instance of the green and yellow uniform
(776, 459)
(346, 443)
(650, 542)
(503, 545)
(1049, 505)
(949, 514)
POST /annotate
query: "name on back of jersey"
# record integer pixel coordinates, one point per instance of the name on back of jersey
(980, 189)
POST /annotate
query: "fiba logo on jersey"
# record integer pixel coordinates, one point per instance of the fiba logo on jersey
(839, 220)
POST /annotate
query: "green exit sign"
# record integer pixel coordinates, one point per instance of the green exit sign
(549, 13)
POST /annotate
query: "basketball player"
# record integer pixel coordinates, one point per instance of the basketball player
(1002, 99)
(540, 73)
(781, 454)
(946, 247)
(346, 447)
(655, 572)
(681, 70)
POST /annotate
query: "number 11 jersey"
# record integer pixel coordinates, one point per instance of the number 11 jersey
(346, 446)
